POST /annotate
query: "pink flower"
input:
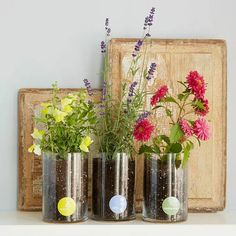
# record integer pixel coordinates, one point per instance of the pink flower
(196, 84)
(186, 128)
(201, 111)
(143, 130)
(201, 129)
(160, 93)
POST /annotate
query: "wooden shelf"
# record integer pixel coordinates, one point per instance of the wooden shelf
(30, 223)
(34, 218)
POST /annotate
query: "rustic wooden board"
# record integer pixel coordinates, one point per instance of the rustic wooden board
(175, 58)
(30, 166)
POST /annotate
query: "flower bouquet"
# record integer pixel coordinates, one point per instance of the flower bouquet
(64, 139)
(166, 155)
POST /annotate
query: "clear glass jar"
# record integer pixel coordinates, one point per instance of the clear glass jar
(65, 187)
(165, 189)
(113, 188)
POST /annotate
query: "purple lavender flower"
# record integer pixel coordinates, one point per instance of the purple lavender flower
(151, 71)
(103, 47)
(149, 20)
(131, 88)
(137, 48)
(107, 29)
(145, 22)
(106, 23)
(131, 91)
(144, 115)
(108, 32)
(151, 15)
(88, 87)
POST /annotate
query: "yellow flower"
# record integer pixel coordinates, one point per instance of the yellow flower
(73, 96)
(35, 148)
(47, 108)
(82, 95)
(45, 104)
(66, 101)
(38, 134)
(65, 104)
(67, 108)
(31, 148)
(59, 115)
(85, 143)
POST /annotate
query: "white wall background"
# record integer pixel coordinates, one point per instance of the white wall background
(46, 40)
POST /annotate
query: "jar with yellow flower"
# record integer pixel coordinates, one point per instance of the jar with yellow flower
(64, 142)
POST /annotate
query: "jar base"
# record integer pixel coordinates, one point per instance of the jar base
(65, 222)
(130, 218)
(163, 221)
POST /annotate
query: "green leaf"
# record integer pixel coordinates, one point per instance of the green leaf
(199, 143)
(180, 96)
(175, 133)
(157, 140)
(145, 149)
(156, 107)
(183, 96)
(165, 138)
(168, 112)
(134, 71)
(191, 122)
(168, 99)
(182, 83)
(178, 161)
(145, 73)
(199, 104)
(176, 148)
(156, 149)
(137, 58)
(186, 154)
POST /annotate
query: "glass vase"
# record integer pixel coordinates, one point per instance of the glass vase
(113, 188)
(165, 189)
(65, 187)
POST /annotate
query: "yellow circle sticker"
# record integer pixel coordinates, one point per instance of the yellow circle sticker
(66, 206)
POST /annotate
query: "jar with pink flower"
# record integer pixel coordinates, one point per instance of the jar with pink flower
(166, 154)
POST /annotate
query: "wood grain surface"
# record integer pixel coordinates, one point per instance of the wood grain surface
(175, 58)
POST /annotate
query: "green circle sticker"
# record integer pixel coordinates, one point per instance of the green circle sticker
(66, 206)
(171, 206)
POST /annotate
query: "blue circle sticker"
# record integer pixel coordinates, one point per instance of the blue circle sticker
(118, 204)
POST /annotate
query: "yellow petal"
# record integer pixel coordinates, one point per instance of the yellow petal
(73, 96)
(37, 134)
(83, 148)
(45, 111)
(31, 148)
(59, 115)
(37, 150)
(66, 101)
(87, 141)
(82, 95)
(67, 108)
(45, 104)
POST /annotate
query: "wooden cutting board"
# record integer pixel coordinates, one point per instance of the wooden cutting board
(175, 58)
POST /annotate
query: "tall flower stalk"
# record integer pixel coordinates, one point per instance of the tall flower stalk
(118, 115)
